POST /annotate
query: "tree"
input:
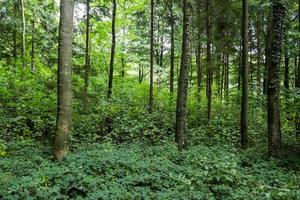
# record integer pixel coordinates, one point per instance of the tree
(208, 58)
(276, 36)
(151, 57)
(113, 46)
(172, 57)
(87, 58)
(64, 84)
(245, 81)
(183, 76)
(298, 80)
(23, 33)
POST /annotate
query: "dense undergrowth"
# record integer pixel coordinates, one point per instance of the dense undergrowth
(142, 171)
(138, 159)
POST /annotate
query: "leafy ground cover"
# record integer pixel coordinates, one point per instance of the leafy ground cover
(143, 171)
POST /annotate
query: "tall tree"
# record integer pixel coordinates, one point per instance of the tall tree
(64, 84)
(23, 33)
(208, 58)
(298, 80)
(184, 76)
(245, 81)
(15, 33)
(276, 36)
(113, 47)
(172, 57)
(32, 46)
(151, 57)
(87, 58)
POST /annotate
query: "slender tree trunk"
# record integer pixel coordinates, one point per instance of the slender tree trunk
(183, 77)
(209, 67)
(64, 107)
(23, 34)
(112, 54)
(286, 70)
(297, 99)
(259, 51)
(87, 58)
(151, 99)
(227, 77)
(172, 58)
(32, 47)
(15, 34)
(240, 68)
(267, 52)
(276, 36)
(199, 68)
(161, 56)
(123, 67)
(245, 73)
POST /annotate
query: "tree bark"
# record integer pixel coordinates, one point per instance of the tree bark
(15, 34)
(32, 47)
(297, 99)
(172, 56)
(183, 77)
(113, 47)
(151, 57)
(245, 80)
(87, 58)
(64, 107)
(208, 61)
(172, 47)
(276, 36)
(23, 34)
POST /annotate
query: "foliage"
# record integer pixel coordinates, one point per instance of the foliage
(140, 171)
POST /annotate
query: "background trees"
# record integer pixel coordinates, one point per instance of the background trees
(149, 47)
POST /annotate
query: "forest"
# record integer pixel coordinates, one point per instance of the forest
(150, 99)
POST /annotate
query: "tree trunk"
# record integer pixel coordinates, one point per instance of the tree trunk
(87, 58)
(172, 58)
(183, 77)
(297, 99)
(259, 51)
(113, 47)
(15, 34)
(64, 108)
(151, 57)
(276, 36)
(32, 47)
(23, 34)
(245, 81)
(209, 67)
(199, 68)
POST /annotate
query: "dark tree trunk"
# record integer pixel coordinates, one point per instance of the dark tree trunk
(87, 58)
(151, 99)
(23, 34)
(259, 51)
(15, 34)
(245, 81)
(123, 67)
(276, 36)
(267, 52)
(172, 58)
(183, 77)
(32, 47)
(199, 68)
(112, 54)
(209, 67)
(297, 99)
(286, 69)
(64, 107)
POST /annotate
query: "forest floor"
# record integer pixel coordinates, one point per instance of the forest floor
(143, 171)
